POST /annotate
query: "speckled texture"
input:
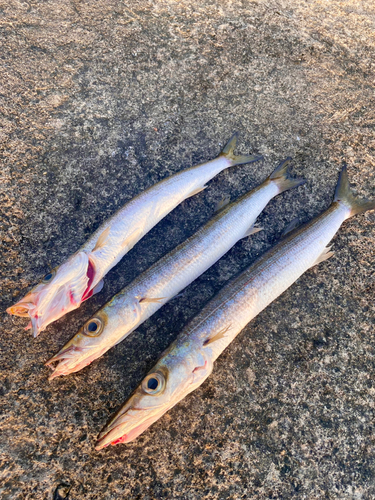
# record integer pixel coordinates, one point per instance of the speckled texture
(101, 99)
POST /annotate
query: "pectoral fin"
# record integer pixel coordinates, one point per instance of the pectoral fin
(324, 256)
(98, 287)
(151, 299)
(218, 336)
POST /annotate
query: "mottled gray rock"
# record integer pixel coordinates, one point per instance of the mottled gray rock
(100, 100)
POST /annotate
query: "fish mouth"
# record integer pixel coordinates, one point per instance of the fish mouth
(27, 308)
(49, 301)
(130, 422)
(62, 362)
(123, 432)
(20, 309)
(111, 439)
(70, 360)
(41, 312)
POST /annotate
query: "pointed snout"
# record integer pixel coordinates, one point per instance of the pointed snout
(21, 308)
(118, 435)
(27, 309)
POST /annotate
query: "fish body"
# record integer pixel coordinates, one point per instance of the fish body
(189, 360)
(167, 277)
(66, 287)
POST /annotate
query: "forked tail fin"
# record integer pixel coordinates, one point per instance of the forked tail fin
(281, 177)
(344, 194)
(228, 152)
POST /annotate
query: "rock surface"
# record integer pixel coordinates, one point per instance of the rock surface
(101, 99)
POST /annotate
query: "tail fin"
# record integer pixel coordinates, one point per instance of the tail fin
(281, 177)
(228, 152)
(344, 194)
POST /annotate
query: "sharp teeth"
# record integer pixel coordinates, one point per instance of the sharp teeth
(64, 354)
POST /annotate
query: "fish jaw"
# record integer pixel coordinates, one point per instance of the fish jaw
(28, 307)
(113, 323)
(64, 367)
(137, 415)
(79, 352)
(22, 307)
(125, 431)
(63, 293)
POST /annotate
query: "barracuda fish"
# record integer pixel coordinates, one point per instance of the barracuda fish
(188, 362)
(81, 276)
(167, 277)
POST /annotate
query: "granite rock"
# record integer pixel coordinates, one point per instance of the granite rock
(101, 99)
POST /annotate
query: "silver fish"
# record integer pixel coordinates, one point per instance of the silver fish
(81, 276)
(187, 363)
(167, 277)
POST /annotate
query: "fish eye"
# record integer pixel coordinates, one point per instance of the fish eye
(48, 277)
(93, 327)
(153, 383)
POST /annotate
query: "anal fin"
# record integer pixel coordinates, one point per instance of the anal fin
(324, 256)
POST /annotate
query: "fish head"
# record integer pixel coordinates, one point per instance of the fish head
(61, 290)
(88, 344)
(171, 380)
(101, 332)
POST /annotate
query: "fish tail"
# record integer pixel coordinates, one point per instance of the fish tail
(281, 177)
(228, 152)
(344, 194)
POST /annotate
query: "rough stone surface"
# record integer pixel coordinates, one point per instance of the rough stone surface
(100, 99)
